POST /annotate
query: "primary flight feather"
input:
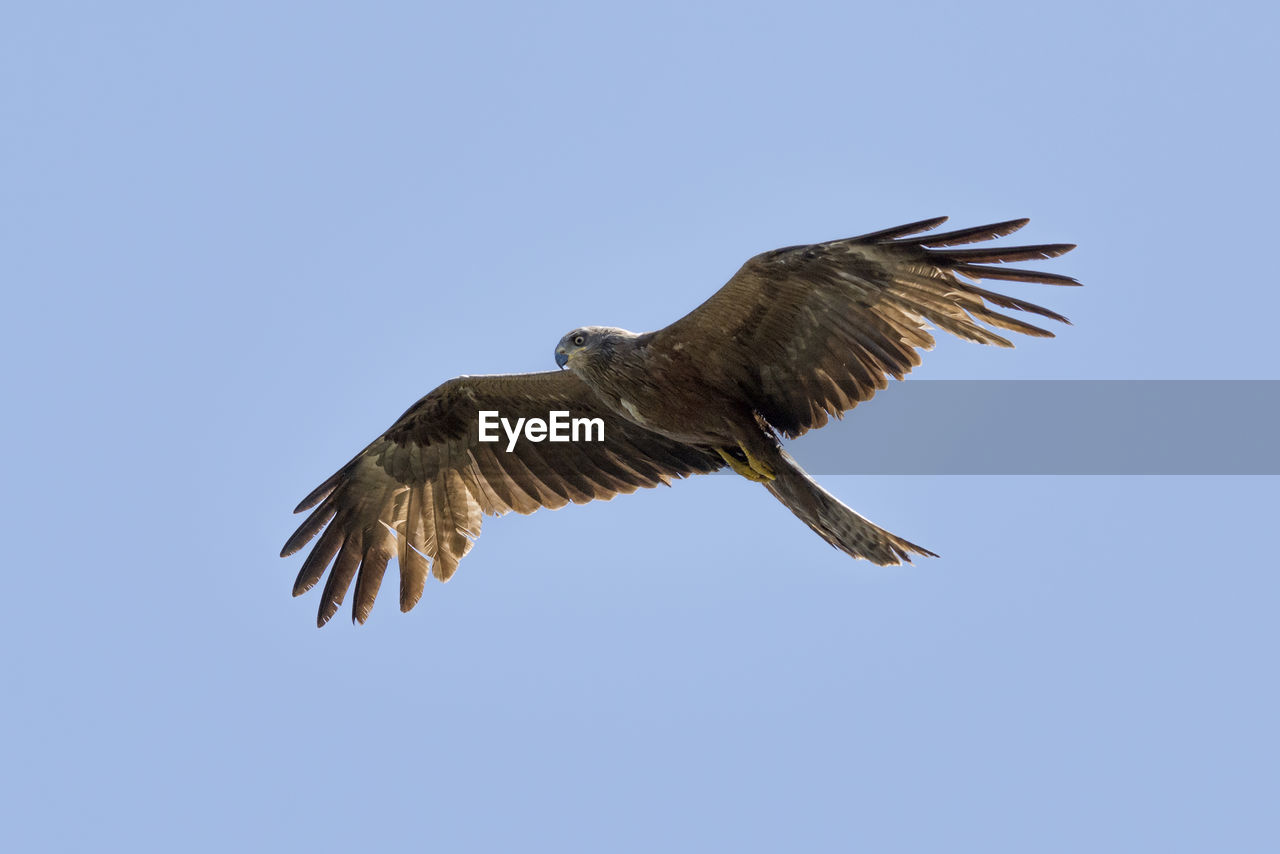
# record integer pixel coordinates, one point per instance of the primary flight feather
(797, 335)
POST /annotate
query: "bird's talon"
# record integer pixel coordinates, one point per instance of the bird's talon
(759, 466)
(743, 468)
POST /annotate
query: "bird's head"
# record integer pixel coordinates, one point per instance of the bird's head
(585, 344)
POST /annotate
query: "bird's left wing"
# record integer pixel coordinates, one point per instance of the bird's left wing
(419, 491)
(805, 332)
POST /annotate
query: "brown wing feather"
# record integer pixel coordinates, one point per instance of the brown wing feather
(418, 493)
(805, 332)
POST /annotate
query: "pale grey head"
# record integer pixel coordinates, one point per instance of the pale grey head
(590, 344)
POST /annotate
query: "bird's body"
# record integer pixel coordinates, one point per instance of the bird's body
(797, 335)
(624, 371)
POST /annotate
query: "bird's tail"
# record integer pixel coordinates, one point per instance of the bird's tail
(832, 520)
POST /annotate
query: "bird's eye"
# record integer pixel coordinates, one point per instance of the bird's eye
(578, 340)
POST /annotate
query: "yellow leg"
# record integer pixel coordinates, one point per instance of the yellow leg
(759, 466)
(747, 470)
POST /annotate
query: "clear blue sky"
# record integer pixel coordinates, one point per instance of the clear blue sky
(240, 238)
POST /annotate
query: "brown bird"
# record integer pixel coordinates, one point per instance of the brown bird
(798, 334)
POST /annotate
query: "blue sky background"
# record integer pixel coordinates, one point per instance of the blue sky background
(240, 238)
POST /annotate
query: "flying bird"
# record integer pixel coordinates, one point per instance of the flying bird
(797, 335)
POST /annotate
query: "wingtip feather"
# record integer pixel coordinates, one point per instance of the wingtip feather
(900, 230)
(973, 235)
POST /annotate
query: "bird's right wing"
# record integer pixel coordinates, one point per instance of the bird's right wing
(419, 491)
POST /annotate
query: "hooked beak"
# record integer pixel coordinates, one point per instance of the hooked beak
(562, 358)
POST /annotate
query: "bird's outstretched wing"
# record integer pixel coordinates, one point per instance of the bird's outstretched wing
(810, 331)
(419, 491)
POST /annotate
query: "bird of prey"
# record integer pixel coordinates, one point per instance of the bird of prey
(797, 335)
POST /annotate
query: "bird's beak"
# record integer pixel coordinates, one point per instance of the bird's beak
(562, 358)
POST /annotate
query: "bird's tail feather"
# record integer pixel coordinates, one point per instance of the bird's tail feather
(832, 520)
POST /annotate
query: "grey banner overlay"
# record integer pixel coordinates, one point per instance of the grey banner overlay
(1054, 427)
